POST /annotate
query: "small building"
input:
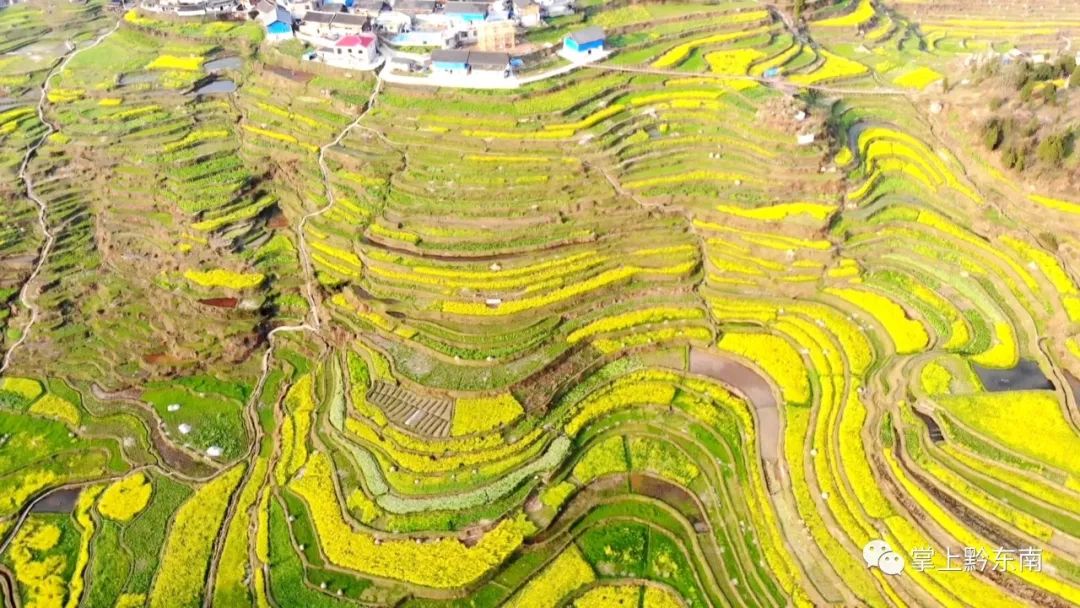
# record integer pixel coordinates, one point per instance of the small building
(586, 42)
(277, 20)
(439, 39)
(469, 12)
(496, 35)
(300, 8)
(450, 61)
(393, 22)
(527, 13)
(555, 8)
(278, 31)
(370, 8)
(190, 8)
(317, 23)
(415, 7)
(267, 12)
(805, 139)
(345, 24)
(403, 64)
(488, 62)
(353, 50)
(220, 7)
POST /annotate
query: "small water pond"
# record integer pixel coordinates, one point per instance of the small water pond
(1026, 376)
(224, 63)
(59, 501)
(216, 87)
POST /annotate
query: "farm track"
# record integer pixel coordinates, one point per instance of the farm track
(43, 208)
(314, 326)
(305, 258)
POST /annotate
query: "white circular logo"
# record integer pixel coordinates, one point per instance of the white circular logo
(873, 551)
(891, 563)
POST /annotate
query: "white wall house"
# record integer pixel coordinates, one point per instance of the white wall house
(354, 51)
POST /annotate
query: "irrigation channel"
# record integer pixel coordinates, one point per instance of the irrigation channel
(43, 208)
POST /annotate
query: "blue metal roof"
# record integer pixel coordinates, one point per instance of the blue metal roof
(278, 27)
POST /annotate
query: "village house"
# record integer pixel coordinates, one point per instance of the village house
(450, 61)
(346, 23)
(317, 23)
(277, 20)
(299, 8)
(588, 41)
(393, 22)
(415, 7)
(556, 8)
(527, 13)
(403, 64)
(220, 7)
(466, 12)
(441, 38)
(369, 8)
(489, 62)
(496, 35)
(190, 8)
(499, 9)
(355, 51)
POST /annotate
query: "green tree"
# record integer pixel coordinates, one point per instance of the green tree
(992, 133)
(1027, 90)
(1051, 150)
(1015, 157)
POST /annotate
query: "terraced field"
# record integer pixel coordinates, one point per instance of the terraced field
(616, 338)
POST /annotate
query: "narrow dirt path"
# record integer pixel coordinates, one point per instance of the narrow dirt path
(305, 256)
(25, 297)
(313, 325)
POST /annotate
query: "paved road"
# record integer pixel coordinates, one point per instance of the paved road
(477, 80)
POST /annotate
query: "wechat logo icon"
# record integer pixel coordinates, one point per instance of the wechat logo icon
(879, 553)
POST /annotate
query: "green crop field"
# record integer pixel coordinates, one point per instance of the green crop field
(688, 326)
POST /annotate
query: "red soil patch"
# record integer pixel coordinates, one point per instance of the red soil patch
(278, 221)
(220, 302)
(161, 359)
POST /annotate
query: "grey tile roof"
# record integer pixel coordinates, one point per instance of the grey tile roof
(587, 35)
(347, 19)
(458, 8)
(450, 56)
(319, 17)
(485, 59)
